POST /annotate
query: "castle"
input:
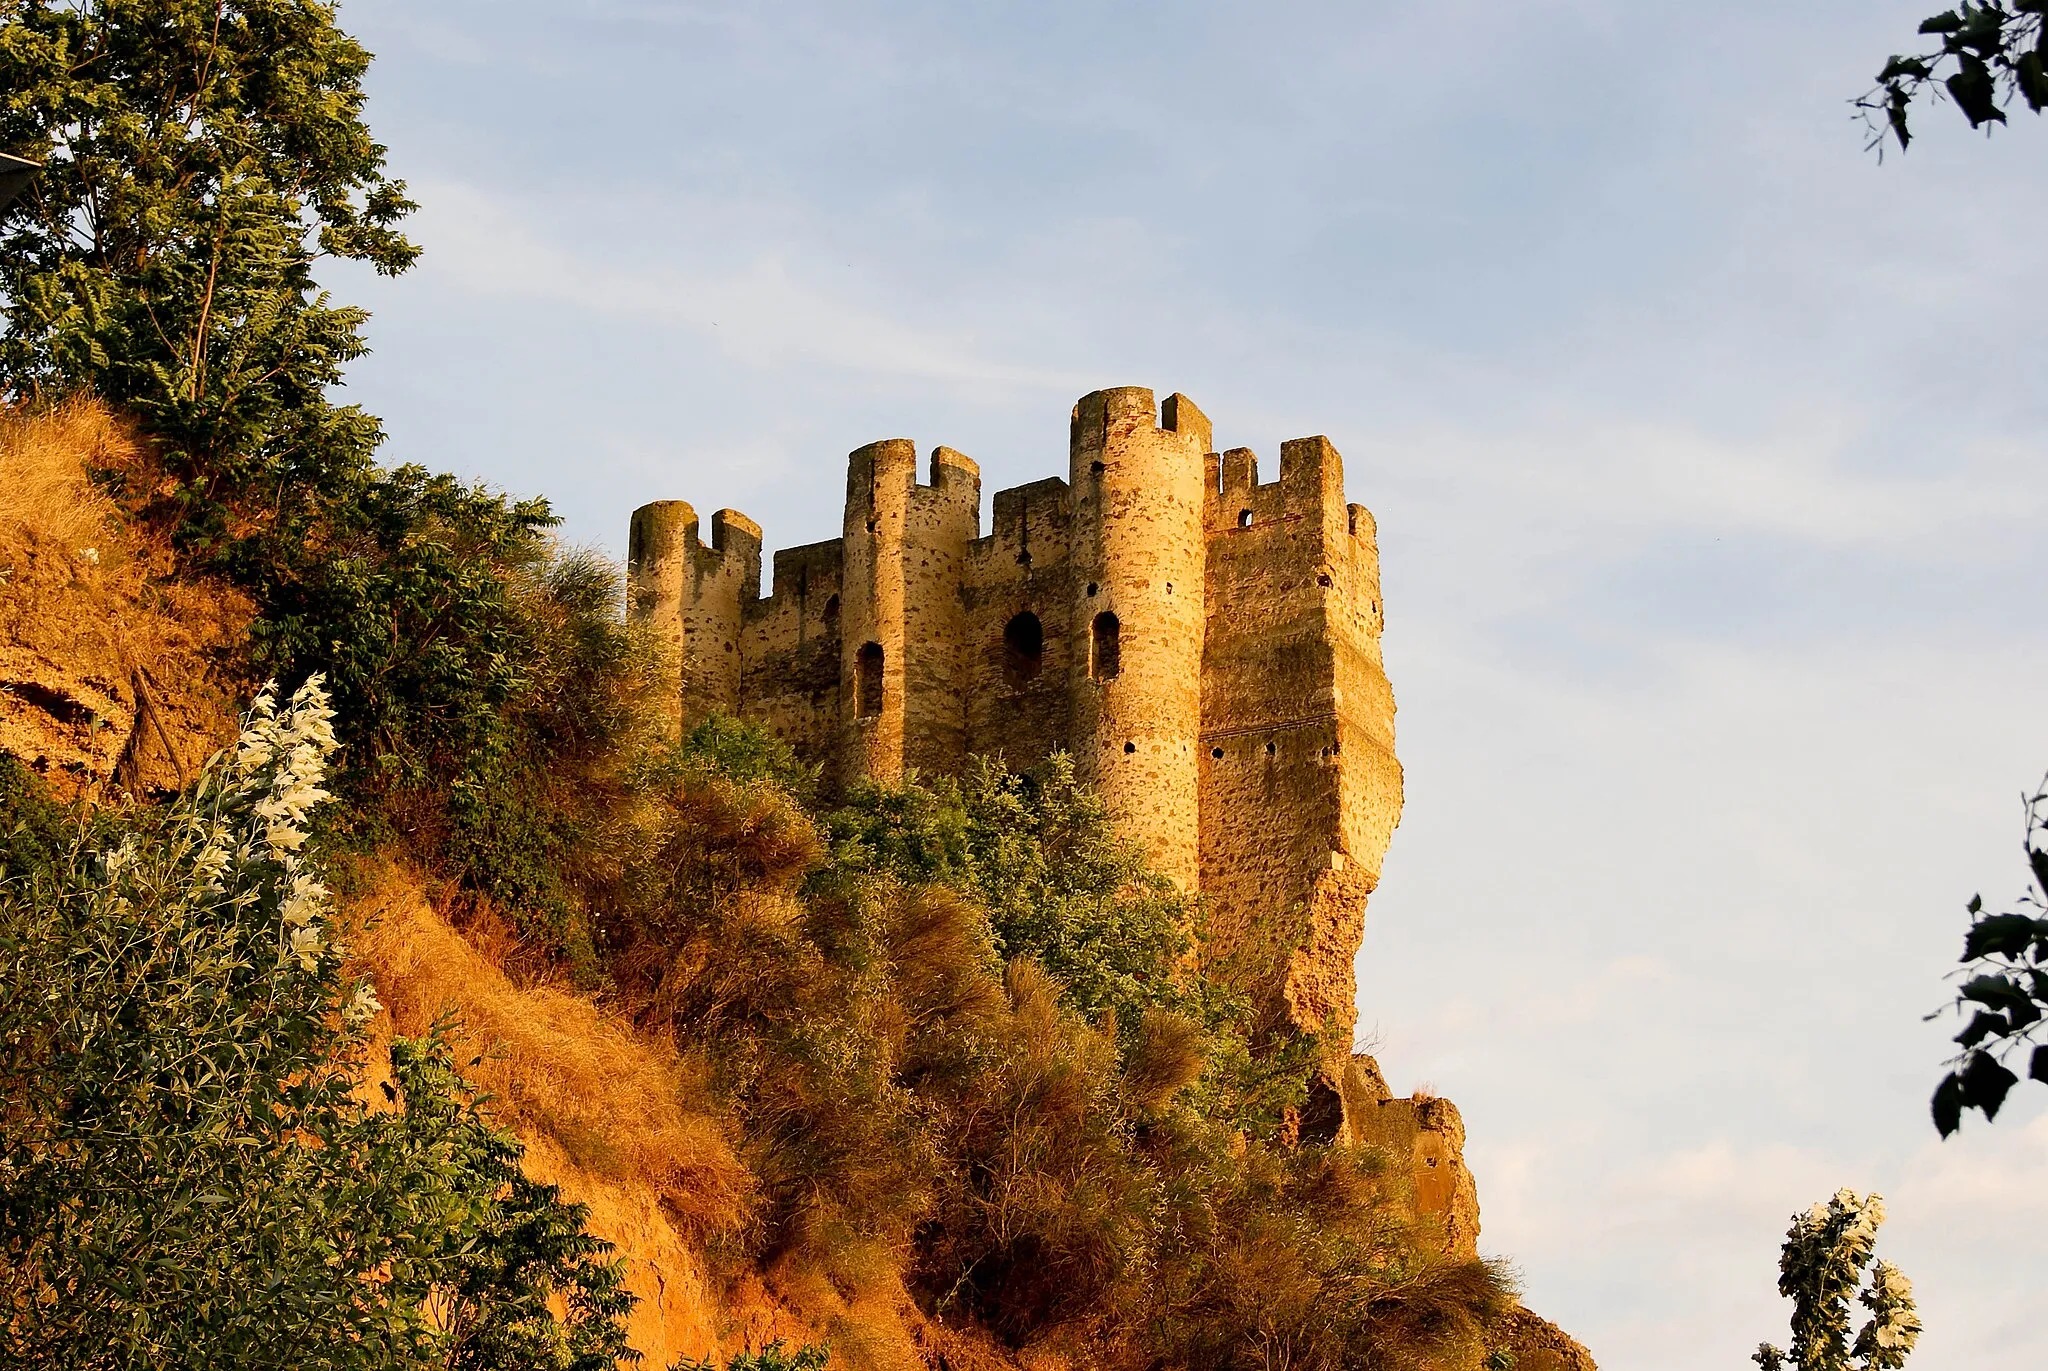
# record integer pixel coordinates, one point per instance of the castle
(1206, 648)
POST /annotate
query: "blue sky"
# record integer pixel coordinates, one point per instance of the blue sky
(1707, 456)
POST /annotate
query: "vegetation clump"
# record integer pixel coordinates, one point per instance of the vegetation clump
(189, 1173)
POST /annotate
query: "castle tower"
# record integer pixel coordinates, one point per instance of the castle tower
(1138, 572)
(693, 598)
(1300, 790)
(902, 697)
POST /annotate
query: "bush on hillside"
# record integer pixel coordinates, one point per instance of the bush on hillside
(1102, 1152)
(190, 1176)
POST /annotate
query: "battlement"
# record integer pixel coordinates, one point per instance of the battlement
(1206, 648)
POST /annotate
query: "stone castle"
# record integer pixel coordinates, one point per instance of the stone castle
(1205, 647)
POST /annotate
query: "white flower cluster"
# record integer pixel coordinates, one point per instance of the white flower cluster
(261, 803)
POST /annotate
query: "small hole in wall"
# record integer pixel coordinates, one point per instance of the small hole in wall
(1130, 748)
(1096, 468)
(1091, 587)
(1169, 587)
(1217, 753)
(1024, 558)
(1272, 748)
(871, 525)
(1324, 580)
(1244, 518)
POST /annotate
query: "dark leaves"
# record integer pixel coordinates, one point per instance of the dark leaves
(1985, 1083)
(1975, 93)
(2005, 962)
(1990, 52)
(2002, 935)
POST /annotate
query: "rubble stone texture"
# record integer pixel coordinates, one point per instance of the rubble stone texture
(1206, 647)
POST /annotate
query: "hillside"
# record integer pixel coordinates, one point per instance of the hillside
(926, 1074)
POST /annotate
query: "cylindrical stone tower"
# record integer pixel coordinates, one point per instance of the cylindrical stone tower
(1139, 566)
(879, 479)
(693, 599)
(657, 572)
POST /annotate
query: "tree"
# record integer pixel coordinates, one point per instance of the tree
(200, 157)
(1991, 51)
(2005, 987)
(1820, 1268)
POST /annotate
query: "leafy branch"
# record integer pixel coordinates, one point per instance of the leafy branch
(1992, 54)
(2004, 976)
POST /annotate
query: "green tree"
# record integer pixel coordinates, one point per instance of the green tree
(188, 1175)
(2004, 987)
(1991, 51)
(200, 157)
(1820, 1269)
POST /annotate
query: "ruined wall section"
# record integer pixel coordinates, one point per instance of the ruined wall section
(693, 596)
(790, 650)
(1017, 593)
(1138, 489)
(1295, 710)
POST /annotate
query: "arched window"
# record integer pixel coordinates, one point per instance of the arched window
(868, 682)
(1023, 648)
(1107, 658)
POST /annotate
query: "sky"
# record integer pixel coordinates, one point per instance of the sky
(1706, 452)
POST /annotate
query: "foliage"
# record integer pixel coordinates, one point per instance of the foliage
(187, 1174)
(203, 158)
(1038, 852)
(199, 159)
(872, 987)
(1991, 51)
(2005, 988)
(1822, 1265)
(773, 1357)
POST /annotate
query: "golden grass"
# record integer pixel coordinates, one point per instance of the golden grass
(621, 1106)
(46, 461)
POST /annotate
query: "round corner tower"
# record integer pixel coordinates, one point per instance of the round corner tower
(1139, 567)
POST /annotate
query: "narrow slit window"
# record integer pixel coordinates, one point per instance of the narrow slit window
(868, 683)
(1023, 648)
(1108, 654)
(1244, 518)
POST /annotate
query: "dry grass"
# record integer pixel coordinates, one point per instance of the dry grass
(46, 461)
(621, 1106)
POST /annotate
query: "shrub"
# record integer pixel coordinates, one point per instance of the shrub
(189, 1177)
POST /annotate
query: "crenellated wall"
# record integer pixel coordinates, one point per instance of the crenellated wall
(1205, 646)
